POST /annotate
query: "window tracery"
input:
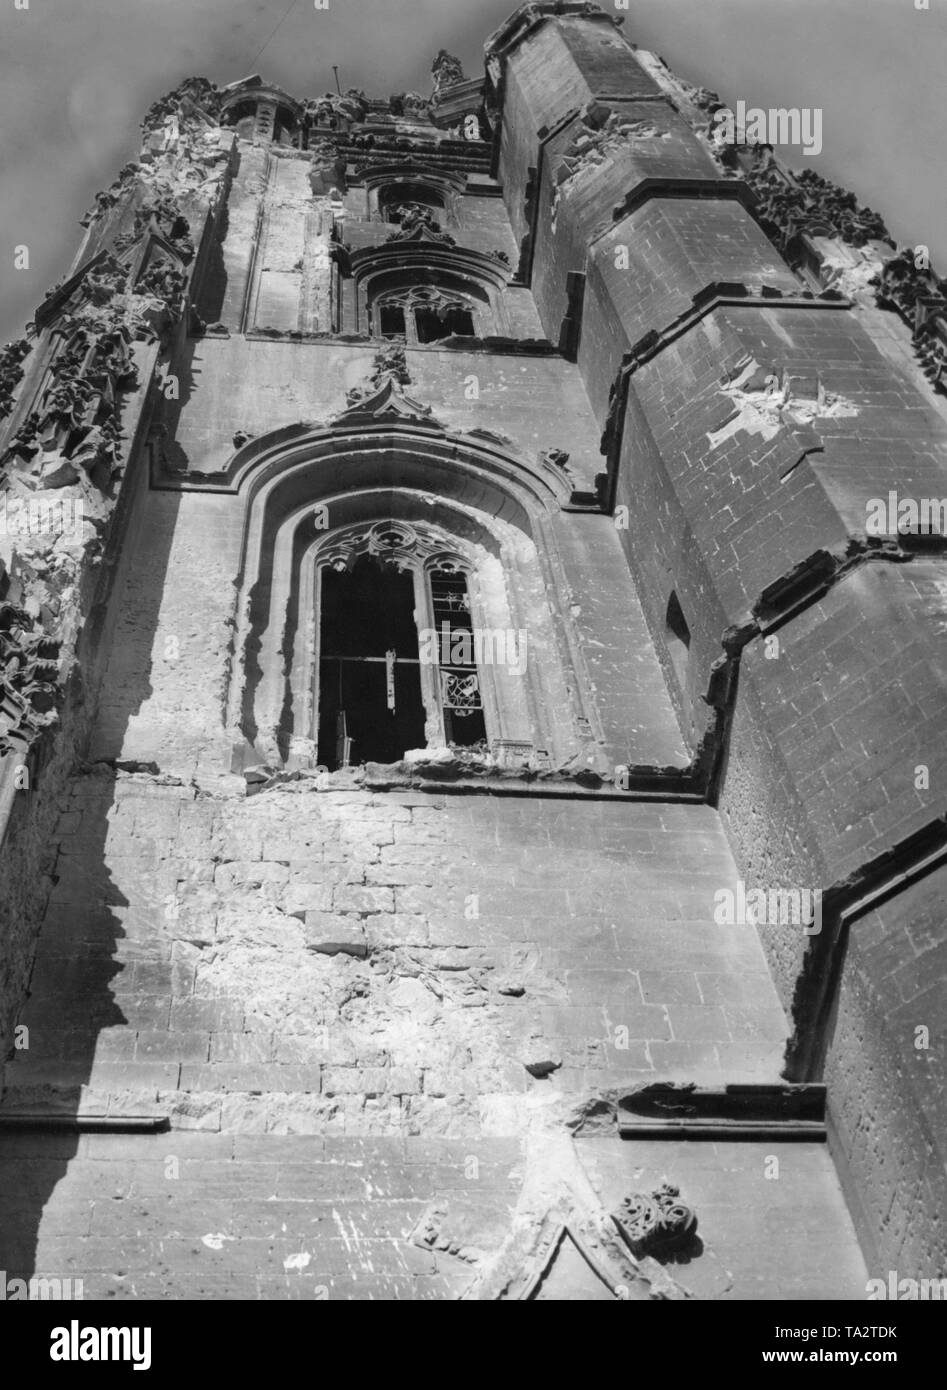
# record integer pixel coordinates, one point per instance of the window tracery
(425, 314)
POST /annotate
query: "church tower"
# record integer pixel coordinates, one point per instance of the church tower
(472, 805)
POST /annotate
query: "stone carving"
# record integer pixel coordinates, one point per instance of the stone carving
(106, 198)
(386, 399)
(431, 297)
(447, 72)
(196, 97)
(656, 1223)
(388, 364)
(156, 303)
(334, 111)
(921, 300)
(396, 542)
(559, 459)
(902, 286)
(328, 167)
(418, 223)
(159, 213)
(11, 372)
(29, 674)
(68, 431)
(411, 105)
(560, 1223)
(74, 424)
(790, 204)
(164, 281)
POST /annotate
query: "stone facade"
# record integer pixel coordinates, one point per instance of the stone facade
(288, 1020)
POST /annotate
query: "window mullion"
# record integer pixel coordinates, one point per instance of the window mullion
(430, 674)
(489, 696)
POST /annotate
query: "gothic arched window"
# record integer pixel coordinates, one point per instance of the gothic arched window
(397, 661)
(407, 612)
(428, 313)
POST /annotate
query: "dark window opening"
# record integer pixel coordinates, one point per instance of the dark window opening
(284, 128)
(243, 116)
(460, 690)
(678, 636)
(370, 703)
(391, 321)
(434, 324)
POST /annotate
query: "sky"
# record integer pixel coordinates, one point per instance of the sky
(76, 76)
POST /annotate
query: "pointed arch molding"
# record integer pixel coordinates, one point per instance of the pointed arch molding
(387, 420)
(408, 170)
(380, 463)
(424, 256)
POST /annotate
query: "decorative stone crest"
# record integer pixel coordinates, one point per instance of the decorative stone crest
(447, 72)
(382, 393)
(419, 223)
(389, 362)
(656, 1223)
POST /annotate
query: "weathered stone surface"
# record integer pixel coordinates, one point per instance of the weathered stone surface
(385, 1011)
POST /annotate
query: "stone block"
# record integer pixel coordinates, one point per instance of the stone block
(336, 933)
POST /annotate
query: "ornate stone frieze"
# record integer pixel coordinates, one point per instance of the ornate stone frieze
(920, 297)
(74, 426)
(789, 204)
(12, 357)
(29, 671)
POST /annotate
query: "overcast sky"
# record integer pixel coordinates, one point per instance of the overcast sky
(77, 75)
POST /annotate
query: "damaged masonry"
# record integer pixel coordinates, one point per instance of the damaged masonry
(432, 534)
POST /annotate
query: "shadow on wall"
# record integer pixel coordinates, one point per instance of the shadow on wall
(213, 291)
(99, 990)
